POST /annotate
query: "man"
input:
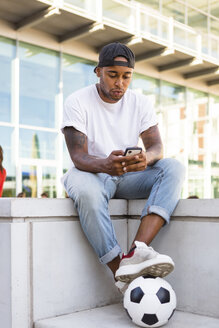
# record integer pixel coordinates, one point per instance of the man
(99, 122)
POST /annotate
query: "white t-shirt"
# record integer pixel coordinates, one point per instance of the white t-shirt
(108, 126)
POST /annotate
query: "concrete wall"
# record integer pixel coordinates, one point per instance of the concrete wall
(47, 267)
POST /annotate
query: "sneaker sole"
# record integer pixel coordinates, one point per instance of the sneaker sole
(147, 268)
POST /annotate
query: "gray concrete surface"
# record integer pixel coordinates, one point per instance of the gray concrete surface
(193, 245)
(46, 261)
(37, 208)
(50, 207)
(115, 316)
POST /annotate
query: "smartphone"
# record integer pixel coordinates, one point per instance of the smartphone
(130, 151)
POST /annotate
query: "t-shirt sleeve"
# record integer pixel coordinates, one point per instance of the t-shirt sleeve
(73, 115)
(148, 115)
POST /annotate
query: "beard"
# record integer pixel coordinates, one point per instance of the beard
(114, 94)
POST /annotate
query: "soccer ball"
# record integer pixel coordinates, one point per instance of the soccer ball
(149, 301)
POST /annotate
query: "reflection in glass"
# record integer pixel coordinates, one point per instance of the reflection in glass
(39, 78)
(8, 163)
(49, 181)
(37, 144)
(7, 53)
(147, 86)
(29, 181)
(171, 93)
(77, 73)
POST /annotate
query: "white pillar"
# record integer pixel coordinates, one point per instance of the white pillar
(15, 116)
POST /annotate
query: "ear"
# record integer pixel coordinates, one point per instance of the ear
(98, 70)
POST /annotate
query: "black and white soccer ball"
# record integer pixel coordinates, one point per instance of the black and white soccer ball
(149, 302)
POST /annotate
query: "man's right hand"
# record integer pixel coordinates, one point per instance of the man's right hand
(115, 163)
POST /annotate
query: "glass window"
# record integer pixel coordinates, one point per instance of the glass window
(153, 25)
(7, 53)
(214, 27)
(174, 9)
(197, 130)
(29, 180)
(171, 94)
(205, 44)
(214, 103)
(147, 86)
(67, 162)
(49, 181)
(77, 74)
(214, 47)
(39, 78)
(150, 3)
(174, 125)
(201, 4)
(6, 134)
(197, 20)
(119, 12)
(37, 144)
(214, 8)
(86, 5)
(196, 187)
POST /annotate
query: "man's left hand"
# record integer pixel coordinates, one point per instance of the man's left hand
(135, 163)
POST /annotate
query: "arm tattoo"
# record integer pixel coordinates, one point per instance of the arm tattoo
(77, 146)
(153, 144)
(151, 137)
(75, 139)
(88, 158)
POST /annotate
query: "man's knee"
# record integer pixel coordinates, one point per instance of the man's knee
(91, 199)
(172, 167)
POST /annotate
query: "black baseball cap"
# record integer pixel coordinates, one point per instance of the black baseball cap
(113, 50)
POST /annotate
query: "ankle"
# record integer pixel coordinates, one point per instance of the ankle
(132, 248)
(114, 264)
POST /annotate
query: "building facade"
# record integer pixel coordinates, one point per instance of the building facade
(51, 51)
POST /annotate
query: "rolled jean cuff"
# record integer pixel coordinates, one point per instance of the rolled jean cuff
(156, 210)
(111, 255)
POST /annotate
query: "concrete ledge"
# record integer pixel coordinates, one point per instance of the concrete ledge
(33, 207)
(185, 208)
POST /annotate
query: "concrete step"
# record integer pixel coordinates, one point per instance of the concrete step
(115, 316)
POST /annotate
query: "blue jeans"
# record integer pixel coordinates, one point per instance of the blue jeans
(160, 184)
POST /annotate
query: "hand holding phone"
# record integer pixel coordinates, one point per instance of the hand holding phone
(131, 151)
